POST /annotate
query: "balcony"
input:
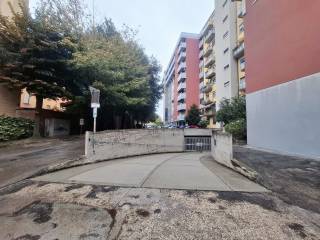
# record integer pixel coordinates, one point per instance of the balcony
(206, 102)
(207, 88)
(182, 76)
(238, 52)
(210, 36)
(211, 72)
(201, 64)
(181, 96)
(201, 44)
(182, 46)
(201, 97)
(181, 107)
(181, 86)
(182, 56)
(208, 51)
(182, 66)
(209, 61)
(181, 117)
(201, 85)
(201, 54)
(201, 75)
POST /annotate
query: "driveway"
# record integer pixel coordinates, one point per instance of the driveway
(189, 171)
(25, 158)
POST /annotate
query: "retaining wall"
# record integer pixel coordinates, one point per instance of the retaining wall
(124, 143)
(221, 148)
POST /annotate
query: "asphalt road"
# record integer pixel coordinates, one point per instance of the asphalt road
(295, 180)
(24, 158)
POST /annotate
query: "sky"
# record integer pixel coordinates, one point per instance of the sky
(159, 22)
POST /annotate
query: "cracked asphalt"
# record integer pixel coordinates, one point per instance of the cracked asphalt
(50, 211)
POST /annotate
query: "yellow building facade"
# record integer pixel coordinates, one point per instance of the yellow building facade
(208, 73)
(239, 50)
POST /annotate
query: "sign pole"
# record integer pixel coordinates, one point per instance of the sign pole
(95, 97)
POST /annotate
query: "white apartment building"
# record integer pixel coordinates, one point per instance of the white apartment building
(168, 88)
(225, 19)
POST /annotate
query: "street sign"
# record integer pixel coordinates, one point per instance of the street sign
(95, 113)
(95, 97)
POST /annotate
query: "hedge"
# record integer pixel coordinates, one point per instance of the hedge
(15, 128)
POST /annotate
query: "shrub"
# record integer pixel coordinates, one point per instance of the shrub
(15, 128)
(238, 129)
(203, 124)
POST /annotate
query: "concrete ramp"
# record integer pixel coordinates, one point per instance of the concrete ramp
(189, 171)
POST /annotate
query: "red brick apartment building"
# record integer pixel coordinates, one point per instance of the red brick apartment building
(283, 75)
(181, 80)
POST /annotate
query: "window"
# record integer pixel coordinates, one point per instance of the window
(225, 19)
(225, 35)
(226, 67)
(226, 50)
(26, 98)
(241, 28)
(242, 64)
(225, 3)
(242, 83)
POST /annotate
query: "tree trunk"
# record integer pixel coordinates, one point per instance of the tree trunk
(39, 124)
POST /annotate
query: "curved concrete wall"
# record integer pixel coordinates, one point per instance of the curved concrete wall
(125, 143)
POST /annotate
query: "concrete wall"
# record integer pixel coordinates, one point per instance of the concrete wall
(286, 117)
(221, 149)
(123, 143)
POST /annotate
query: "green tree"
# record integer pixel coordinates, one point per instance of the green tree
(232, 110)
(35, 56)
(193, 116)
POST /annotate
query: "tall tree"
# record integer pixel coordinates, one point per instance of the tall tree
(193, 116)
(35, 56)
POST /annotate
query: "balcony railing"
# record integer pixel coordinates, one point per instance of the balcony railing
(211, 72)
(182, 56)
(181, 86)
(182, 76)
(182, 107)
(182, 66)
(209, 61)
(238, 52)
(201, 54)
(201, 75)
(181, 96)
(201, 44)
(210, 36)
(182, 46)
(181, 117)
(208, 51)
(201, 85)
